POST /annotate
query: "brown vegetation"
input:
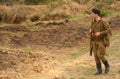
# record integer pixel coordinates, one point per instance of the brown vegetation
(55, 11)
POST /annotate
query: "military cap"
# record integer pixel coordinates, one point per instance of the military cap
(96, 11)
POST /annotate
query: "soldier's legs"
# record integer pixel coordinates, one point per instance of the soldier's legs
(97, 59)
(100, 54)
(98, 66)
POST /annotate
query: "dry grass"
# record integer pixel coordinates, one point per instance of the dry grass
(14, 14)
(52, 11)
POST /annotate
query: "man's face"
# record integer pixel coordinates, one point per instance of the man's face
(94, 15)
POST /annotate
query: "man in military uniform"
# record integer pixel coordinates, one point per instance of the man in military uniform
(99, 29)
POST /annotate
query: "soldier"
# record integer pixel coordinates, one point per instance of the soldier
(99, 30)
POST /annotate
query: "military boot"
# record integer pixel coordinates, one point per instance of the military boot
(107, 66)
(99, 69)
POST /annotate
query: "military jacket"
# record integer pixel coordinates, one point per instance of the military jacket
(101, 26)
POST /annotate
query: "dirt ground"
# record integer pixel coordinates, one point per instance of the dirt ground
(54, 52)
(64, 35)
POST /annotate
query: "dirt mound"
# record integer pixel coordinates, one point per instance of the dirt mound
(5, 39)
(69, 34)
(16, 14)
(19, 63)
(66, 7)
(8, 60)
(14, 28)
(63, 9)
(53, 11)
(11, 59)
(64, 36)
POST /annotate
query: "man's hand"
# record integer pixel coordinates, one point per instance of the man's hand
(97, 34)
(90, 30)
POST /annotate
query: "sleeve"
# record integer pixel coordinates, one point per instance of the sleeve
(106, 27)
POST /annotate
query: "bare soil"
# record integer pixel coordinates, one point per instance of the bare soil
(67, 35)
